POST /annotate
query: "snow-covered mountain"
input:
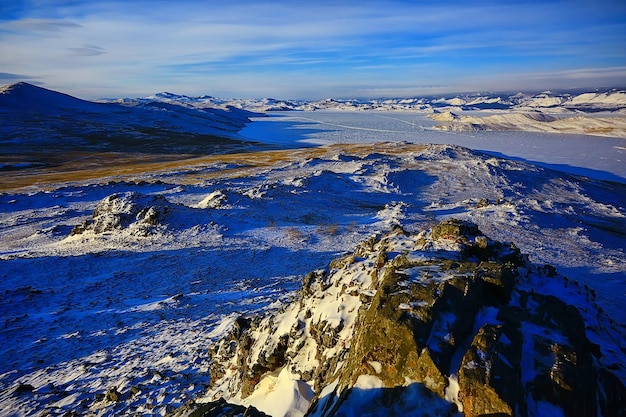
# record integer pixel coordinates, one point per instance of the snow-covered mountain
(533, 121)
(210, 102)
(24, 97)
(600, 113)
(604, 100)
(205, 124)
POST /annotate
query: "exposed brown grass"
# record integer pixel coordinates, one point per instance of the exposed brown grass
(104, 167)
(328, 229)
(595, 130)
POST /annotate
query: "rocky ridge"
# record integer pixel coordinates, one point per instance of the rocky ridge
(438, 322)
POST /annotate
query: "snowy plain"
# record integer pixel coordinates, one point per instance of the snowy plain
(89, 314)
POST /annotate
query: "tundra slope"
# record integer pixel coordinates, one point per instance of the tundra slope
(115, 316)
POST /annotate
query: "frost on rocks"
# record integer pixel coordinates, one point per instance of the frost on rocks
(437, 322)
(127, 210)
(140, 214)
(214, 200)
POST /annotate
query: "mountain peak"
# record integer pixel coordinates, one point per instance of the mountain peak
(17, 87)
(25, 96)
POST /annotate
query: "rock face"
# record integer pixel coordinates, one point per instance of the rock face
(440, 322)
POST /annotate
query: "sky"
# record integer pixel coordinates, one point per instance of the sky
(311, 49)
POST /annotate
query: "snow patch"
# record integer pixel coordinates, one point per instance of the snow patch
(281, 394)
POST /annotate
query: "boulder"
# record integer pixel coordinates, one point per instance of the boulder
(454, 229)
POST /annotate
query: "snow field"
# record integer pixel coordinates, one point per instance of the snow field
(117, 311)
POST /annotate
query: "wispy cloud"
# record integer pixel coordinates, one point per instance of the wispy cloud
(10, 77)
(40, 25)
(88, 50)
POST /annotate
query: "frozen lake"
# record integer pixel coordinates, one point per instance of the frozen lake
(593, 156)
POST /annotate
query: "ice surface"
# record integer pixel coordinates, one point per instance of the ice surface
(593, 156)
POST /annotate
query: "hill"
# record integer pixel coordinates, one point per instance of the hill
(35, 121)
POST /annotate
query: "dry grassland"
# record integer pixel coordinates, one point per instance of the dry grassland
(105, 167)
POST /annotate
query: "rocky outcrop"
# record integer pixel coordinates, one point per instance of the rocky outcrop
(126, 210)
(140, 215)
(445, 320)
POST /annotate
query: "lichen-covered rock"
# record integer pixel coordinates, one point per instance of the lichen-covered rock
(112, 395)
(446, 319)
(489, 374)
(454, 229)
(219, 408)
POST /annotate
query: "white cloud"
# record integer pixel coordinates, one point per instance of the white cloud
(39, 25)
(88, 50)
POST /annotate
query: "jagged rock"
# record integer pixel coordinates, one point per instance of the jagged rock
(134, 390)
(23, 389)
(267, 361)
(313, 282)
(445, 317)
(489, 374)
(219, 408)
(112, 395)
(454, 229)
(126, 210)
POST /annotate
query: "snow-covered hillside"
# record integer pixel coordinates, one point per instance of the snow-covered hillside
(34, 120)
(534, 121)
(112, 290)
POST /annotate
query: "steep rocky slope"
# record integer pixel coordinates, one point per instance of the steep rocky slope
(432, 323)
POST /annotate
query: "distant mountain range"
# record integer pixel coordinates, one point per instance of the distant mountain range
(611, 100)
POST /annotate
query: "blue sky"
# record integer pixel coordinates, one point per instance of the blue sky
(311, 49)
